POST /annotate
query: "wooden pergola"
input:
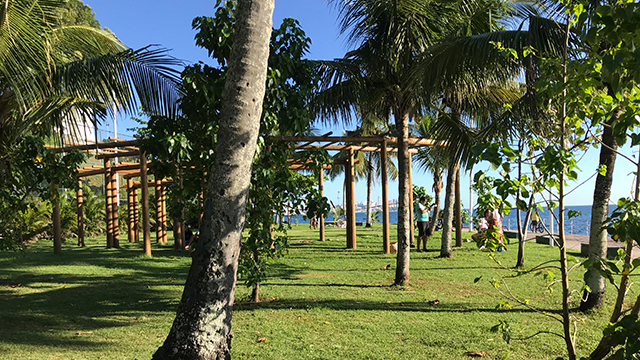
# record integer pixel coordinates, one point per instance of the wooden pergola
(109, 152)
(383, 144)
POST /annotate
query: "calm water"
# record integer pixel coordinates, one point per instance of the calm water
(577, 225)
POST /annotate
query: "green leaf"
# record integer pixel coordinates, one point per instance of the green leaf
(602, 169)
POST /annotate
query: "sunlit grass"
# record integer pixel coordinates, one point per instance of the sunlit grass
(321, 302)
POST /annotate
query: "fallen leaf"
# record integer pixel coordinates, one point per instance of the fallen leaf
(257, 332)
(475, 353)
(298, 318)
(15, 286)
(84, 332)
(387, 267)
(326, 323)
(434, 302)
(262, 340)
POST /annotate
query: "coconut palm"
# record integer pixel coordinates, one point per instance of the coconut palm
(390, 36)
(432, 159)
(53, 76)
(52, 73)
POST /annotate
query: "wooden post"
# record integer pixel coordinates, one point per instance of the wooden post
(136, 215)
(55, 218)
(108, 200)
(80, 213)
(411, 215)
(351, 202)
(158, 192)
(130, 211)
(321, 189)
(114, 208)
(163, 204)
(385, 201)
(145, 204)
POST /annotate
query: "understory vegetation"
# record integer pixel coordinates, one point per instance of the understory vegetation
(321, 301)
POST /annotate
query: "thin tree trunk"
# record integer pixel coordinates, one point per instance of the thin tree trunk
(404, 226)
(255, 297)
(437, 188)
(564, 268)
(202, 326)
(446, 245)
(599, 212)
(369, 188)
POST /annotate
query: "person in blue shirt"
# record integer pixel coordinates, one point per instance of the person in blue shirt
(422, 212)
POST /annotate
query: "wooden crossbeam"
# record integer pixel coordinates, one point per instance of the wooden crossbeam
(358, 139)
(118, 168)
(120, 154)
(347, 147)
(102, 145)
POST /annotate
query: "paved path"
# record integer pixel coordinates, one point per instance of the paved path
(574, 243)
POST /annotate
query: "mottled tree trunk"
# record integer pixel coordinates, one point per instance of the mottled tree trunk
(404, 226)
(446, 246)
(202, 326)
(599, 212)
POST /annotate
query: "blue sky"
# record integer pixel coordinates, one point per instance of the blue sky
(168, 23)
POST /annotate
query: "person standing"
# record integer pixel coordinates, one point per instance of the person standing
(534, 220)
(422, 215)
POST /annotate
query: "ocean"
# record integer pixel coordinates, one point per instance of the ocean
(577, 225)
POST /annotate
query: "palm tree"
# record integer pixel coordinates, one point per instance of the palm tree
(202, 325)
(390, 35)
(52, 73)
(432, 159)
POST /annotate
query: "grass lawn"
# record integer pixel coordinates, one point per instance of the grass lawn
(321, 302)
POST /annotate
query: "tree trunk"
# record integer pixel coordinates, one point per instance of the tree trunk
(404, 226)
(255, 297)
(437, 188)
(446, 249)
(202, 326)
(599, 212)
(369, 188)
(458, 209)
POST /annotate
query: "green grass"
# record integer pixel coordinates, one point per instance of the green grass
(321, 302)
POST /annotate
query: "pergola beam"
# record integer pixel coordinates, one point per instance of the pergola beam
(358, 139)
(119, 154)
(103, 145)
(347, 147)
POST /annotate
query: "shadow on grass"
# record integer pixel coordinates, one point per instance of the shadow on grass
(44, 305)
(350, 304)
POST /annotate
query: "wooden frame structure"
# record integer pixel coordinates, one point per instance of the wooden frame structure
(383, 144)
(109, 152)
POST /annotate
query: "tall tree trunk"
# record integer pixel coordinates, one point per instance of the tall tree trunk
(202, 326)
(437, 188)
(404, 226)
(599, 212)
(369, 188)
(446, 247)
(458, 209)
